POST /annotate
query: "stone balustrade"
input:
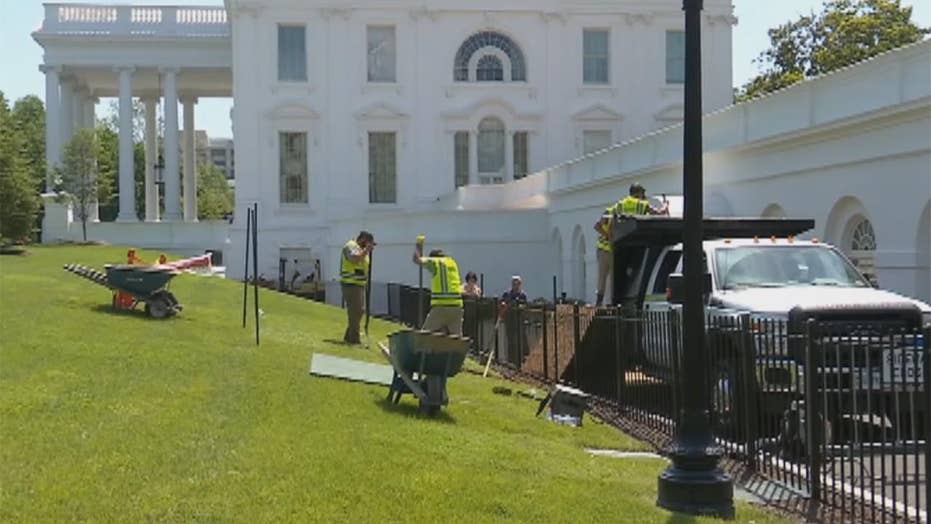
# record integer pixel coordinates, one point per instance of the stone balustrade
(135, 21)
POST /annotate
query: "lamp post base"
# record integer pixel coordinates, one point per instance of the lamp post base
(696, 492)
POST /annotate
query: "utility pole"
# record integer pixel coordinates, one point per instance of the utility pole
(694, 483)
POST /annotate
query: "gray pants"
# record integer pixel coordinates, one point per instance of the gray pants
(354, 297)
(444, 319)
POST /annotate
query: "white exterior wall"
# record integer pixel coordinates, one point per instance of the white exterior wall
(337, 107)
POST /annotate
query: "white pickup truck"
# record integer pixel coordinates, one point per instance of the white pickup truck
(770, 285)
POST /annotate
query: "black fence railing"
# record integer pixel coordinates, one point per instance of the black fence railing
(836, 412)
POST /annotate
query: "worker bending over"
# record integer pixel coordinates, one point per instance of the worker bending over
(353, 274)
(445, 314)
(635, 203)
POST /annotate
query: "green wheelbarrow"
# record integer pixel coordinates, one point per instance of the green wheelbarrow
(422, 362)
(132, 284)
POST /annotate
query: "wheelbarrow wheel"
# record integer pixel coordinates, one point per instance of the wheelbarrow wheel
(158, 307)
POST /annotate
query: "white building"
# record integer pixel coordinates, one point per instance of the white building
(221, 154)
(371, 115)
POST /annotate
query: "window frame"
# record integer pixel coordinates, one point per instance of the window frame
(456, 159)
(278, 62)
(607, 57)
(586, 131)
(394, 29)
(307, 173)
(369, 167)
(515, 173)
(666, 56)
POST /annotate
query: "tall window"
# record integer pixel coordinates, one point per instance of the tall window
(675, 57)
(479, 44)
(595, 141)
(293, 168)
(595, 56)
(491, 150)
(292, 53)
(382, 54)
(461, 154)
(489, 69)
(382, 168)
(521, 155)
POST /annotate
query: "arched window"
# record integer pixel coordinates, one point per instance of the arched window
(489, 69)
(863, 248)
(491, 147)
(484, 45)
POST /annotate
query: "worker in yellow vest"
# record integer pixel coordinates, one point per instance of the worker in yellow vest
(445, 314)
(635, 203)
(353, 275)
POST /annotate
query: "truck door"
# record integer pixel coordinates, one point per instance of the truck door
(655, 333)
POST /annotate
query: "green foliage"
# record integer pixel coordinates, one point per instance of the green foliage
(113, 417)
(214, 195)
(108, 165)
(78, 174)
(19, 203)
(844, 33)
(29, 123)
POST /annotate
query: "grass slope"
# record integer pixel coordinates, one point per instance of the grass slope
(115, 417)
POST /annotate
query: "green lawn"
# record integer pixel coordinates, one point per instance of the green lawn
(114, 417)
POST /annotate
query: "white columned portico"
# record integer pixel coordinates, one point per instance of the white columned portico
(151, 157)
(127, 171)
(190, 164)
(66, 110)
(52, 123)
(171, 174)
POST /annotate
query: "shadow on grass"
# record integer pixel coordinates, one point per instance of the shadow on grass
(340, 342)
(411, 409)
(137, 313)
(680, 518)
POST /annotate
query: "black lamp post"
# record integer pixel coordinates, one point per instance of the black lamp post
(159, 168)
(694, 483)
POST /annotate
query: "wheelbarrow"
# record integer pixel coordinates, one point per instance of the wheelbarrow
(422, 362)
(146, 284)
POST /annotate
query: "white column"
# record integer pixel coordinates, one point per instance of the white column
(66, 111)
(151, 157)
(77, 108)
(508, 155)
(127, 172)
(171, 175)
(473, 158)
(90, 107)
(52, 123)
(190, 163)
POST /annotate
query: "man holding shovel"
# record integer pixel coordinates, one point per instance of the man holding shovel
(445, 314)
(355, 264)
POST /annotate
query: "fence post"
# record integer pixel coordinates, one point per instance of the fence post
(813, 436)
(672, 317)
(546, 371)
(747, 357)
(927, 417)
(577, 339)
(618, 365)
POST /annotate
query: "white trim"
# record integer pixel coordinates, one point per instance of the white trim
(493, 51)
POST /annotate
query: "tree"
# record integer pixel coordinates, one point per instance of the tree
(844, 33)
(29, 123)
(108, 165)
(19, 203)
(214, 195)
(78, 174)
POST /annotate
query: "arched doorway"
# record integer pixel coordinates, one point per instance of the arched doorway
(860, 245)
(773, 211)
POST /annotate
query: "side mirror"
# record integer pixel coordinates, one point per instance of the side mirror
(675, 287)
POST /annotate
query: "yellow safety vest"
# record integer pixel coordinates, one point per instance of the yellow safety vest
(447, 287)
(630, 205)
(604, 238)
(352, 273)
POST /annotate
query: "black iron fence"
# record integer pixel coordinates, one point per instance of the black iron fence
(836, 412)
